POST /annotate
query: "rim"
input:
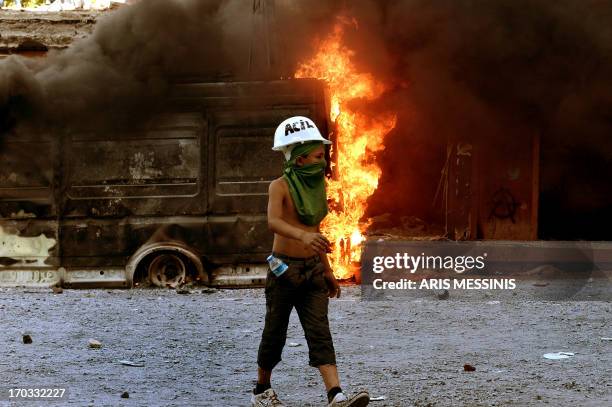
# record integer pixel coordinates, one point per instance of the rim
(167, 270)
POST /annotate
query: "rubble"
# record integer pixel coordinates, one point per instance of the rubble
(23, 31)
(378, 398)
(130, 363)
(387, 226)
(443, 295)
(558, 355)
(92, 343)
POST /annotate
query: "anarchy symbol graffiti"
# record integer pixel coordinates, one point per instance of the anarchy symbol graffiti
(504, 205)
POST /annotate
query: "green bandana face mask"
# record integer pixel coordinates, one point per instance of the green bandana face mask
(307, 185)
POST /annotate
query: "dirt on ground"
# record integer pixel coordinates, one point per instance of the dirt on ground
(199, 348)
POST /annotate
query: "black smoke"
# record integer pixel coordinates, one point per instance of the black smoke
(123, 67)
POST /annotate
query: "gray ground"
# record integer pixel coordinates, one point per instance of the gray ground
(199, 349)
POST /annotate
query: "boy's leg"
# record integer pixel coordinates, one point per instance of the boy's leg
(329, 373)
(278, 309)
(263, 380)
(312, 311)
(263, 376)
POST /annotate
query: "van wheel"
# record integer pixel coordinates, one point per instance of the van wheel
(167, 270)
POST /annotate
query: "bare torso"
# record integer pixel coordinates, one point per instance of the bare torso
(285, 245)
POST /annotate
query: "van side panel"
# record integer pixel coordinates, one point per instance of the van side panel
(199, 174)
(28, 209)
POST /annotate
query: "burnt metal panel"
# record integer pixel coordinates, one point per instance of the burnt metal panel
(29, 244)
(110, 242)
(239, 237)
(254, 94)
(244, 163)
(27, 170)
(153, 171)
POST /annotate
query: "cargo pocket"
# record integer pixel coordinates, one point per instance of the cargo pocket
(269, 282)
(292, 277)
(318, 279)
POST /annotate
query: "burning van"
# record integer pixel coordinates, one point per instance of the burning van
(180, 198)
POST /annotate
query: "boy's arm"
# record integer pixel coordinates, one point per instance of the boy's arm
(330, 279)
(276, 223)
(325, 261)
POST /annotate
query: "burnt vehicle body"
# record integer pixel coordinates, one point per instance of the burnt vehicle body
(181, 199)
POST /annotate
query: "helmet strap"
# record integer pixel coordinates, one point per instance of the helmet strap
(287, 151)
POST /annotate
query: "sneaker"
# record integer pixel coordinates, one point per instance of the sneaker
(266, 399)
(360, 399)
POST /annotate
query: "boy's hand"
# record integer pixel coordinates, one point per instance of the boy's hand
(332, 284)
(316, 242)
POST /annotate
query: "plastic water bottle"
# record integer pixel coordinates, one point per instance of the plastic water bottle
(277, 266)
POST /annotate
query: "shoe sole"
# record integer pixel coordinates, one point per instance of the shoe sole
(360, 400)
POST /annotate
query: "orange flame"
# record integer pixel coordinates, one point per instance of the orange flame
(359, 136)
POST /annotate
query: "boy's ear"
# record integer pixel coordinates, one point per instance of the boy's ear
(299, 161)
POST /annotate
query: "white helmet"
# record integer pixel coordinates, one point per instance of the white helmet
(297, 129)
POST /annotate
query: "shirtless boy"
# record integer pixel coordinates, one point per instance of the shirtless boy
(299, 275)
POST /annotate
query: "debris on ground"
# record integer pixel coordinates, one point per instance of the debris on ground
(293, 344)
(125, 395)
(570, 385)
(94, 344)
(209, 290)
(130, 363)
(378, 398)
(27, 339)
(468, 368)
(443, 295)
(558, 355)
(57, 290)
(409, 227)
